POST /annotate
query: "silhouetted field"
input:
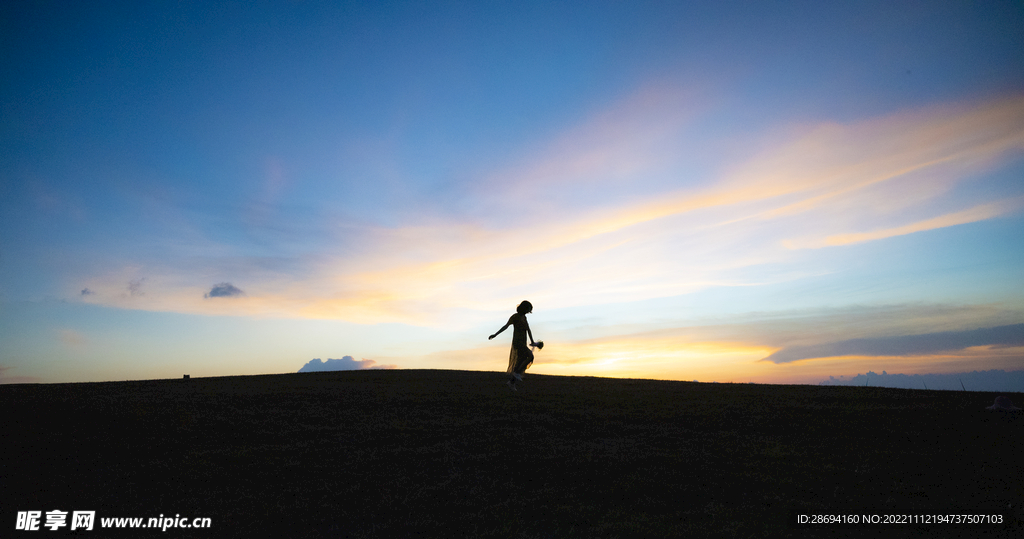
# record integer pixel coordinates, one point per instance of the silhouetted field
(456, 454)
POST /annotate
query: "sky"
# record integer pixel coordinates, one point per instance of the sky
(768, 192)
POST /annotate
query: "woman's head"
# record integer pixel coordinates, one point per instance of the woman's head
(524, 307)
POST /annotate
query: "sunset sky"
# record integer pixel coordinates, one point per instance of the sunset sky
(718, 191)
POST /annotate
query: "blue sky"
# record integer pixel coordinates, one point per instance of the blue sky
(684, 190)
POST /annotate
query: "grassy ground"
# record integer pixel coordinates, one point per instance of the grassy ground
(455, 453)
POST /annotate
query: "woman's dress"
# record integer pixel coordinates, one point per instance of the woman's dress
(520, 357)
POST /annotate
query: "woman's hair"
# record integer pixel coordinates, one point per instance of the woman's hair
(524, 307)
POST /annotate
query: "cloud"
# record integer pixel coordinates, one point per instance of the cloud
(346, 363)
(991, 380)
(87, 292)
(223, 290)
(970, 215)
(906, 345)
(735, 224)
(614, 153)
(810, 190)
(135, 287)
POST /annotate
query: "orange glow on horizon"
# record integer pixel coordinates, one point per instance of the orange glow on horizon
(705, 361)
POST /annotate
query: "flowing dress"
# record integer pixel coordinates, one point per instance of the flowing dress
(520, 357)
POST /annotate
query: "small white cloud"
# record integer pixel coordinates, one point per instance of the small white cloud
(347, 363)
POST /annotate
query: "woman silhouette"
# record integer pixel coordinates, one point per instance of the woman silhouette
(521, 356)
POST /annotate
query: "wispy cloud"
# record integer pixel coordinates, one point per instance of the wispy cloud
(823, 185)
(906, 345)
(834, 176)
(971, 215)
(622, 151)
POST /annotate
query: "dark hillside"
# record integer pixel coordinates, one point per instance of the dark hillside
(456, 454)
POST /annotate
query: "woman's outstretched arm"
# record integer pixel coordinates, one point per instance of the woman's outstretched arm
(503, 328)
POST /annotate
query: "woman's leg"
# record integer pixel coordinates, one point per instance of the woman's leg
(524, 359)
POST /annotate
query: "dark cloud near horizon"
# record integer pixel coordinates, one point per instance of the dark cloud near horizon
(905, 345)
(224, 290)
(994, 380)
(347, 363)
